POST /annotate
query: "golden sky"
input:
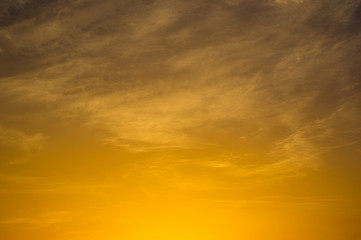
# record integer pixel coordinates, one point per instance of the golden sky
(180, 119)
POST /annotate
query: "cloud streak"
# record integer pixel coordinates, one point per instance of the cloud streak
(180, 97)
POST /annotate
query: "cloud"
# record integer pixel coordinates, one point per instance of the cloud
(42, 221)
(272, 82)
(17, 179)
(20, 140)
(119, 108)
(16, 146)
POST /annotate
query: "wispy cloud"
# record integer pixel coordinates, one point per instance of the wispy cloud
(272, 83)
(18, 139)
(42, 221)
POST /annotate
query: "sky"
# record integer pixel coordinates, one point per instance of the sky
(177, 119)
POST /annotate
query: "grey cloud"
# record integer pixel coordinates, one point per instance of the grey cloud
(16, 11)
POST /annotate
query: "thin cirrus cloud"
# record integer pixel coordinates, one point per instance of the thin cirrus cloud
(192, 95)
(153, 75)
(42, 221)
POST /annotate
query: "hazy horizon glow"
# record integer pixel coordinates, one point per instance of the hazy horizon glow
(173, 119)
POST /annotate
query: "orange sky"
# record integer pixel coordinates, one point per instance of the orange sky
(182, 120)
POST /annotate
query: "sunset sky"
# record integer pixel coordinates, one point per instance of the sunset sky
(180, 119)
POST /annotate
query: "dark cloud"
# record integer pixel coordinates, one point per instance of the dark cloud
(13, 12)
(355, 22)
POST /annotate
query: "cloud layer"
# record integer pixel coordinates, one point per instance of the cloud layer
(193, 95)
